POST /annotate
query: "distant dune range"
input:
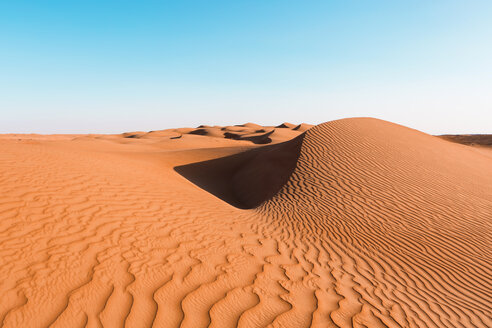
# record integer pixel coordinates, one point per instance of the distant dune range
(352, 223)
(470, 139)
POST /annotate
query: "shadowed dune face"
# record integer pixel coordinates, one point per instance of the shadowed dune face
(247, 179)
(355, 223)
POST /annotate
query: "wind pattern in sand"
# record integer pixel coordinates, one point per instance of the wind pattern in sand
(353, 223)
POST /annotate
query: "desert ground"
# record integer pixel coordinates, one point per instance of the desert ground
(357, 222)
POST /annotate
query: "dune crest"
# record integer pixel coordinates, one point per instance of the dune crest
(351, 223)
(387, 202)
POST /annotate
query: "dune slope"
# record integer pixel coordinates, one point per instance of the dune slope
(398, 225)
(356, 223)
(247, 179)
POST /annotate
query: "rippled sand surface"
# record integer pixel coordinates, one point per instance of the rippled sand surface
(351, 223)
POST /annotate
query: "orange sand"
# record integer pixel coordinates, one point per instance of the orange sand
(352, 223)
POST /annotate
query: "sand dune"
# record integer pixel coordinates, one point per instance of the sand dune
(470, 139)
(254, 133)
(351, 223)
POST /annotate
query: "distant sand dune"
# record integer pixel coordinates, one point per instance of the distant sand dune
(470, 139)
(254, 133)
(351, 223)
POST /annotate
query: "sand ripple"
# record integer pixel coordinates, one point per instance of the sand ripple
(370, 224)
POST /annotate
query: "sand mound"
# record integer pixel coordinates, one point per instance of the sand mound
(401, 219)
(303, 127)
(250, 132)
(250, 125)
(286, 125)
(355, 223)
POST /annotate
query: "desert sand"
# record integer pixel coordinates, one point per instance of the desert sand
(352, 223)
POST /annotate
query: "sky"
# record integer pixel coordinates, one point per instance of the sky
(114, 66)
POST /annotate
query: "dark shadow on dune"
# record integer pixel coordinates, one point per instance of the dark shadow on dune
(199, 131)
(247, 179)
(259, 139)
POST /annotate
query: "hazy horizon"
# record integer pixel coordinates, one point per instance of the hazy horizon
(110, 67)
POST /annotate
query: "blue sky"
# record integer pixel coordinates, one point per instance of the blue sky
(114, 66)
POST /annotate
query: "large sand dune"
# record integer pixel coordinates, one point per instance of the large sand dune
(351, 223)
